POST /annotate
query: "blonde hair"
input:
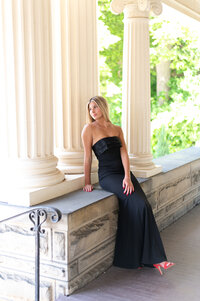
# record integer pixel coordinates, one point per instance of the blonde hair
(102, 104)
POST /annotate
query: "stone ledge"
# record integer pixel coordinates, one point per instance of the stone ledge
(78, 199)
(31, 197)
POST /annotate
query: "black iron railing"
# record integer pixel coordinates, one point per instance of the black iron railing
(38, 216)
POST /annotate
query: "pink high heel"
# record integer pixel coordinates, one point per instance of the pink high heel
(165, 265)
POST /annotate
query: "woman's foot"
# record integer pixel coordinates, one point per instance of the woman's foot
(165, 265)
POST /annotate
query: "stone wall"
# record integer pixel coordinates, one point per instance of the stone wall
(73, 252)
(80, 247)
(174, 193)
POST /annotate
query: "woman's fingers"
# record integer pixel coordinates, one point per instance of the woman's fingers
(127, 186)
(128, 189)
(88, 188)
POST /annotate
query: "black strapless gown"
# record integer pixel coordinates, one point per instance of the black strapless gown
(138, 241)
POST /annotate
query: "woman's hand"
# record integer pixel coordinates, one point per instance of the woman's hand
(127, 186)
(88, 188)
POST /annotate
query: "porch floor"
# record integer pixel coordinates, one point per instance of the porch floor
(181, 282)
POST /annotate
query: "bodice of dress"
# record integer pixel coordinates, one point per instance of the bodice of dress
(105, 144)
(107, 151)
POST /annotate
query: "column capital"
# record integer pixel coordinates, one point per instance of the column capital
(118, 6)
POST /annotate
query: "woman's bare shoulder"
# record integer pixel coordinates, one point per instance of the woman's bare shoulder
(87, 130)
(117, 129)
(87, 135)
(87, 127)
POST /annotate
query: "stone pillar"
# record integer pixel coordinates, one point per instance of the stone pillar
(163, 76)
(27, 102)
(75, 76)
(136, 83)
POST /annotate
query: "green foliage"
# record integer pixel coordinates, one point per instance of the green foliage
(113, 22)
(182, 126)
(113, 55)
(175, 117)
(181, 47)
(175, 42)
(161, 142)
(156, 107)
(111, 70)
(115, 108)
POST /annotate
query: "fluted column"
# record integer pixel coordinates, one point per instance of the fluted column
(162, 77)
(136, 83)
(75, 76)
(27, 101)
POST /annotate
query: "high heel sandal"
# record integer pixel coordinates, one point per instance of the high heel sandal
(165, 265)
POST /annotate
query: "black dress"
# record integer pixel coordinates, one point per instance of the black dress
(138, 241)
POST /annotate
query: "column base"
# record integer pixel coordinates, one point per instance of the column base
(74, 170)
(31, 197)
(142, 165)
(146, 172)
(71, 163)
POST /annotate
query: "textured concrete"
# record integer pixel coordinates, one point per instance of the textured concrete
(180, 283)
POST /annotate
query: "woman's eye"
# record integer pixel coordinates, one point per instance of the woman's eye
(95, 107)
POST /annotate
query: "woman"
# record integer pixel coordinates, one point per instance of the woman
(138, 241)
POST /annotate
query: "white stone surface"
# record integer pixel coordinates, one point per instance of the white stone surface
(27, 100)
(188, 7)
(75, 77)
(31, 197)
(20, 287)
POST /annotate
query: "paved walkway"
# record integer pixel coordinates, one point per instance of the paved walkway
(180, 283)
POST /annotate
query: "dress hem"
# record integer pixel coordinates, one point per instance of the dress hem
(124, 266)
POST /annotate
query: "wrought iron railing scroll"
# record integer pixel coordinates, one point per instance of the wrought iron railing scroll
(38, 216)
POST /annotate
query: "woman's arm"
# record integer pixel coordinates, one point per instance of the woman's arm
(127, 183)
(87, 144)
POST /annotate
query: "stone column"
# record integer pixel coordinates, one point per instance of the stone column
(75, 76)
(136, 83)
(27, 102)
(163, 76)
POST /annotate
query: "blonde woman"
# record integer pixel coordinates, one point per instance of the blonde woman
(138, 241)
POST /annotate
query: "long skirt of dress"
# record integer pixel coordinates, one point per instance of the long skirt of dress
(138, 241)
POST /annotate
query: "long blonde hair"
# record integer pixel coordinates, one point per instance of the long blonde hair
(102, 104)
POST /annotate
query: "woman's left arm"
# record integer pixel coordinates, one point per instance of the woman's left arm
(127, 183)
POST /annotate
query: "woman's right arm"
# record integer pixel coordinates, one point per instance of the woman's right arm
(87, 144)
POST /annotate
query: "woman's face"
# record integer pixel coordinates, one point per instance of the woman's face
(95, 111)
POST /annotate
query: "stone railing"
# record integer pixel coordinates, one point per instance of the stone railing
(81, 245)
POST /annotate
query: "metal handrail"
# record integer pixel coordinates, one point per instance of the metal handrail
(38, 216)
